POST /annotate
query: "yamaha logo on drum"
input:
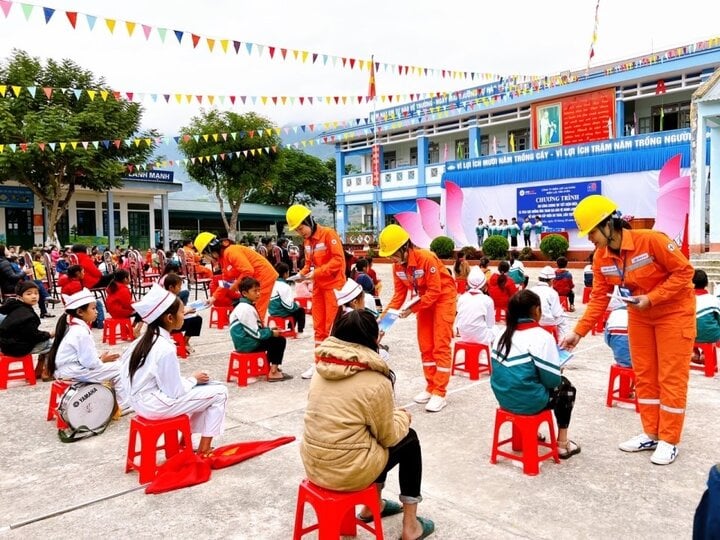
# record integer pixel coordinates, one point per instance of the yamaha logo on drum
(83, 398)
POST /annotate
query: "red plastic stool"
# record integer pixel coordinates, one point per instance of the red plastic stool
(244, 366)
(500, 315)
(552, 329)
(285, 324)
(525, 439)
(24, 373)
(149, 432)
(586, 294)
(599, 328)
(565, 303)
(335, 511)
(180, 347)
(625, 388)
(710, 352)
(117, 328)
(57, 389)
(471, 361)
(220, 316)
(460, 285)
(305, 302)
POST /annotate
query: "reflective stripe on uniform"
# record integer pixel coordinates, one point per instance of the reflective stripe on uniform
(649, 401)
(431, 363)
(673, 410)
(444, 369)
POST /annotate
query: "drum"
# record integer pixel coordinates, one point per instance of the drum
(87, 405)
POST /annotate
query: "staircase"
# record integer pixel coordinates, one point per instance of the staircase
(710, 262)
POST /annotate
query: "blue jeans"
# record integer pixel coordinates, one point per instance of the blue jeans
(101, 314)
(620, 347)
(707, 518)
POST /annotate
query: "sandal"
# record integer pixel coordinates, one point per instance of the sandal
(285, 377)
(571, 448)
(428, 527)
(389, 508)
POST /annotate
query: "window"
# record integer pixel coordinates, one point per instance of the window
(434, 152)
(670, 116)
(521, 138)
(116, 219)
(138, 206)
(389, 160)
(462, 149)
(644, 125)
(86, 218)
(484, 145)
(413, 155)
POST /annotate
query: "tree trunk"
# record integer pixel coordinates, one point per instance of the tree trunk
(56, 197)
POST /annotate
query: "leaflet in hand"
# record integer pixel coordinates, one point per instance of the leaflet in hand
(565, 356)
(626, 299)
(387, 320)
(198, 305)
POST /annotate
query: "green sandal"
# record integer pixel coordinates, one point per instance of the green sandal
(428, 527)
(390, 508)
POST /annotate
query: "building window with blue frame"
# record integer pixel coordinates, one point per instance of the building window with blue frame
(85, 214)
(434, 152)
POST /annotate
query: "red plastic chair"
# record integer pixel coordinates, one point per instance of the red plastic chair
(117, 328)
(710, 352)
(565, 303)
(9, 373)
(244, 366)
(461, 285)
(285, 324)
(586, 294)
(180, 347)
(625, 377)
(599, 328)
(471, 361)
(552, 329)
(57, 389)
(335, 511)
(525, 439)
(149, 432)
(220, 316)
(306, 303)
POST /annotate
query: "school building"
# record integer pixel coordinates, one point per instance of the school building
(523, 148)
(143, 215)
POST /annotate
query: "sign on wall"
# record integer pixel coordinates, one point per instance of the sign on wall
(573, 120)
(16, 197)
(554, 203)
(150, 176)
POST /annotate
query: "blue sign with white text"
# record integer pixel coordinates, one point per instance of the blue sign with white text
(554, 203)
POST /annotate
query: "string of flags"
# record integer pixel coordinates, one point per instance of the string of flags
(227, 45)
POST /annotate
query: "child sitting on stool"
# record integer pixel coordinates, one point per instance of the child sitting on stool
(707, 313)
(282, 302)
(192, 325)
(475, 317)
(563, 283)
(616, 332)
(249, 334)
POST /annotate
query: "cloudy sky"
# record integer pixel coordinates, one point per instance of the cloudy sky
(520, 37)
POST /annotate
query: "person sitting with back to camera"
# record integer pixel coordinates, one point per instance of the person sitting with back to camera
(553, 314)
(150, 373)
(282, 302)
(249, 335)
(354, 435)
(475, 317)
(563, 283)
(526, 374)
(707, 315)
(118, 300)
(73, 354)
(501, 287)
(616, 331)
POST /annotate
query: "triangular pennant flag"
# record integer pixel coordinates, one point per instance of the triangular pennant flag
(295, 54)
(85, 144)
(106, 144)
(195, 40)
(16, 90)
(130, 27)
(91, 19)
(179, 35)
(304, 56)
(52, 146)
(314, 57)
(77, 92)
(96, 144)
(271, 51)
(5, 6)
(12, 147)
(23, 147)
(41, 146)
(249, 47)
(215, 137)
(210, 44)
(62, 146)
(104, 94)
(236, 46)
(146, 31)
(260, 49)
(48, 12)
(32, 90)
(224, 45)
(162, 32)
(110, 24)
(27, 10)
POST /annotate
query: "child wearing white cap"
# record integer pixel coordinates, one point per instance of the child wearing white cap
(475, 317)
(73, 354)
(151, 376)
(552, 311)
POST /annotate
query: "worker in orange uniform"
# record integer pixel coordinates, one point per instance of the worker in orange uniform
(654, 278)
(236, 262)
(420, 272)
(324, 264)
(192, 257)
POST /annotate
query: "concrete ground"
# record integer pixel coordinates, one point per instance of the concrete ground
(54, 490)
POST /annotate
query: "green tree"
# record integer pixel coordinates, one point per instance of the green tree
(231, 177)
(302, 179)
(53, 175)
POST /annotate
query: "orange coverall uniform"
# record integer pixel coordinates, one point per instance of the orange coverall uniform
(238, 262)
(425, 275)
(324, 254)
(662, 336)
(191, 257)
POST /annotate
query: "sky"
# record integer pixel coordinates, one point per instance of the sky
(504, 38)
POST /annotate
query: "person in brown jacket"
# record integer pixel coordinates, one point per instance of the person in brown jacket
(353, 433)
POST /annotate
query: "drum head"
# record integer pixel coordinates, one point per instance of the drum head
(87, 404)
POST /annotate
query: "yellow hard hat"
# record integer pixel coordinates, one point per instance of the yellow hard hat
(392, 238)
(295, 215)
(202, 240)
(591, 211)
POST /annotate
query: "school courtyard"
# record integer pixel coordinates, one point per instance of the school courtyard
(53, 490)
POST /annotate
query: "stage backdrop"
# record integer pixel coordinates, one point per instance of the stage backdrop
(635, 193)
(554, 203)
